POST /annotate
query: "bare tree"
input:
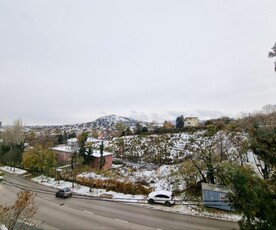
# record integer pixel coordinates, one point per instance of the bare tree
(20, 212)
(211, 154)
(203, 155)
(268, 109)
(14, 134)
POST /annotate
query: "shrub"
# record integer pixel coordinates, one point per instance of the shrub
(115, 185)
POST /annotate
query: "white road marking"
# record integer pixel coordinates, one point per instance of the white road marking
(122, 220)
(46, 198)
(88, 212)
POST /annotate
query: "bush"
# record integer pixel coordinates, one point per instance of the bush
(115, 185)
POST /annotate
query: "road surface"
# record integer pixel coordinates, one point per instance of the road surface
(83, 213)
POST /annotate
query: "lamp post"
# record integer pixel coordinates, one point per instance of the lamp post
(90, 181)
(58, 172)
(73, 178)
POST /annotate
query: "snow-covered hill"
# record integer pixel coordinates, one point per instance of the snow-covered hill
(106, 126)
(109, 122)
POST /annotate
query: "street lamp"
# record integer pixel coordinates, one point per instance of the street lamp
(58, 172)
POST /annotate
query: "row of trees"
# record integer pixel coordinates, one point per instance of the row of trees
(12, 144)
(38, 156)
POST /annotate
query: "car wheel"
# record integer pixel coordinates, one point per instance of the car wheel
(151, 201)
(167, 203)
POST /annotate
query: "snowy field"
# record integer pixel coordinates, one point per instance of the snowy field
(161, 182)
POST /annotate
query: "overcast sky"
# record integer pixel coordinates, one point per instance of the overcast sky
(72, 61)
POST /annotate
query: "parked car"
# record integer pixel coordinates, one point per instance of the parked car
(64, 193)
(161, 197)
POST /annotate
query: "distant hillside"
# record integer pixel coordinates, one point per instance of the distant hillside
(109, 122)
(105, 124)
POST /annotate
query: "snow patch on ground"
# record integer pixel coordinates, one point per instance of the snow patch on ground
(13, 170)
(3, 227)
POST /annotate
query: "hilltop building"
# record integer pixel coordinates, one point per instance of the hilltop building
(191, 121)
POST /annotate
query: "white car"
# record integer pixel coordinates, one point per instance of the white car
(161, 197)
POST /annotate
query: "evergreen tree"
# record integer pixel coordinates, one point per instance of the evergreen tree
(102, 159)
(60, 139)
(89, 156)
(71, 135)
(263, 144)
(179, 123)
(82, 150)
(254, 198)
(273, 54)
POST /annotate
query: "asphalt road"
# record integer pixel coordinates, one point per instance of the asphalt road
(83, 213)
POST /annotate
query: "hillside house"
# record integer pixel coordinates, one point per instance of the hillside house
(191, 121)
(108, 158)
(64, 153)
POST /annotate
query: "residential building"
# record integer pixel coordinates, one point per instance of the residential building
(64, 154)
(191, 121)
(108, 158)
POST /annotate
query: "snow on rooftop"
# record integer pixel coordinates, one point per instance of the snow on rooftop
(93, 140)
(98, 154)
(72, 140)
(63, 148)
